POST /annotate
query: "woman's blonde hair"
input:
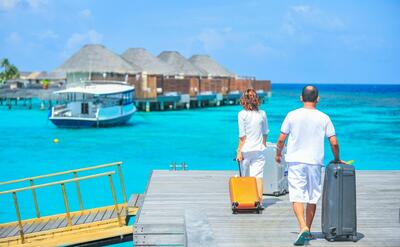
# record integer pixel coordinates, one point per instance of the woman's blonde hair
(250, 100)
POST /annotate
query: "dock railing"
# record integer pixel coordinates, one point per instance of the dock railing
(74, 172)
(75, 180)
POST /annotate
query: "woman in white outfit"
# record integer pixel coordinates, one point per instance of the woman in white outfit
(253, 131)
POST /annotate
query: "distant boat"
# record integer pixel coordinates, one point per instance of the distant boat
(94, 105)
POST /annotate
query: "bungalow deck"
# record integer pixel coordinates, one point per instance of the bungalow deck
(192, 208)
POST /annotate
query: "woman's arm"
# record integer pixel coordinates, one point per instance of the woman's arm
(239, 156)
(265, 140)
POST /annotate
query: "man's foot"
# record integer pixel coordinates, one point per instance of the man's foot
(302, 238)
(310, 236)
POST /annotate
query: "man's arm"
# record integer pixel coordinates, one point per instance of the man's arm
(335, 148)
(279, 146)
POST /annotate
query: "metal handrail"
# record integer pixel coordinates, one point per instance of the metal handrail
(61, 173)
(55, 183)
(75, 174)
(62, 183)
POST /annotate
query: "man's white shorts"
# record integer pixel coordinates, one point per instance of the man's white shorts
(253, 164)
(304, 182)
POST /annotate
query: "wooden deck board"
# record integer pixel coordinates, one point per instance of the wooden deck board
(169, 193)
(92, 223)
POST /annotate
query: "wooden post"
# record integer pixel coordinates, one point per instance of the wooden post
(78, 190)
(34, 199)
(66, 204)
(21, 230)
(115, 200)
(147, 106)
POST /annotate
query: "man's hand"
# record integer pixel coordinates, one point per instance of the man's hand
(278, 158)
(338, 162)
(239, 156)
(279, 147)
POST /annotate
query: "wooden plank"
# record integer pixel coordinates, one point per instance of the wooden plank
(14, 231)
(133, 200)
(92, 216)
(170, 193)
(99, 215)
(53, 224)
(82, 219)
(6, 230)
(147, 229)
(159, 240)
(108, 214)
(39, 226)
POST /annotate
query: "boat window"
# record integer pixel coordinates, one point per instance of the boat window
(85, 108)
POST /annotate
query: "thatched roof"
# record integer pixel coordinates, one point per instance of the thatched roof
(180, 64)
(97, 58)
(143, 59)
(211, 67)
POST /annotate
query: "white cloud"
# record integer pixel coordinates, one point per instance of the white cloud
(302, 19)
(214, 39)
(77, 39)
(85, 14)
(13, 39)
(301, 8)
(48, 34)
(7, 5)
(36, 4)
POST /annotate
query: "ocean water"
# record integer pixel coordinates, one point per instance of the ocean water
(366, 118)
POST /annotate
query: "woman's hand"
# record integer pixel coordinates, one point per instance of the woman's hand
(239, 156)
(278, 159)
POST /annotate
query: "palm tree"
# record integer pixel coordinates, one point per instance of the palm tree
(9, 71)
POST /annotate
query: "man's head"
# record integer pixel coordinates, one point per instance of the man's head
(309, 94)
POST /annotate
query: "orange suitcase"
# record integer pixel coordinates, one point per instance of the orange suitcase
(244, 194)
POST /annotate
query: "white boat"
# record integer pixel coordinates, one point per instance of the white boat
(94, 105)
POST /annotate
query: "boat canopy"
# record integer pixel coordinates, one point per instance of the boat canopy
(98, 89)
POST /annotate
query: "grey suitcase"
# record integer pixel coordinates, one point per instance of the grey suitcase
(339, 213)
(275, 180)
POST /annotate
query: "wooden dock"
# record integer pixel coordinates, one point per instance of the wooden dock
(192, 208)
(91, 226)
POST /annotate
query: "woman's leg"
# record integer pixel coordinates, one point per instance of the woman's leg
(257, 170)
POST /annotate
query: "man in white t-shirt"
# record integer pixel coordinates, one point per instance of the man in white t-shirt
(306, 129)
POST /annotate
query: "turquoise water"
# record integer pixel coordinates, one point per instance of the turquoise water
(366, 118)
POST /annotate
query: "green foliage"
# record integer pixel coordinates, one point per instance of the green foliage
(45, 82)
(9, 71)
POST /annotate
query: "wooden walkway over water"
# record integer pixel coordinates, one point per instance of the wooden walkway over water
(95, 225)
(192, 208)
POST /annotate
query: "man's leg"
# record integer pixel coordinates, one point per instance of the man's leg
(314, 191)
(298, 209)
(297, 191)
(310, 212)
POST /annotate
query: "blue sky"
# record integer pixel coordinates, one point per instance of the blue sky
(285, 41)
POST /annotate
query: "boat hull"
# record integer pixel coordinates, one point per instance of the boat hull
(63, 122)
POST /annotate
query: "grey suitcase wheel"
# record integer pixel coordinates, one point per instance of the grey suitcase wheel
(330, 238)
(354, 238)
(276, 194)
